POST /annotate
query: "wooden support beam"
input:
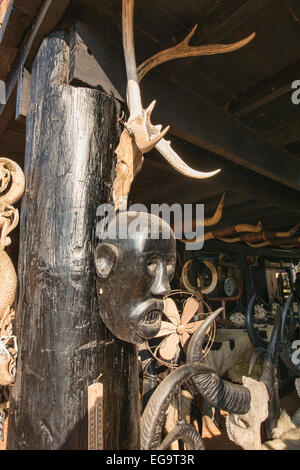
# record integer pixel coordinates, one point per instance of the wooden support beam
(49, 15)
(235, 178)
(186, 196)
(8, 111)
(230, 200)
(247, 185)
(23, 95)
(17, 20)
(246, 209)
(201, 123)
(269, 253)
(85, 67)
(265, 91)
(8, 55)
(286, 134)
(63, 345)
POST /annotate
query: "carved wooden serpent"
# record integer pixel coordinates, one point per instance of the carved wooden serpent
(12, 185)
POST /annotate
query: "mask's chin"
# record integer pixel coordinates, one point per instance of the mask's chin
(143, 322)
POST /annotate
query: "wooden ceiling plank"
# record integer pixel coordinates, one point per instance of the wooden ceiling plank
(265, 91)
(286, 134)
(17, 21)
(234, 21)
(8, 55)
(203, 124)
(216, 34)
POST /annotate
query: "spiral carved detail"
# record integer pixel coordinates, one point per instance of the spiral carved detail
(12, 184)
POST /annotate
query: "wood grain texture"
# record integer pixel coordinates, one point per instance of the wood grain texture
(69, 167)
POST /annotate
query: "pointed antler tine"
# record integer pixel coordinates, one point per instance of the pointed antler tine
(151, 107)
(146, 147)
(183, 49)
(165, 149)
(190, 34)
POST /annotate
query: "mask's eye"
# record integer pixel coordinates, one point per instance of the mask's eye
(171, 267)
(151, 266)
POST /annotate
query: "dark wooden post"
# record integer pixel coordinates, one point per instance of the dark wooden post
(247, 281)
(63, 346)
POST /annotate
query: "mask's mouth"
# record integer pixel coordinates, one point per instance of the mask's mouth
(149, 318)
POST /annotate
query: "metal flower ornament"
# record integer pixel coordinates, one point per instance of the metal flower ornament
(178, 329)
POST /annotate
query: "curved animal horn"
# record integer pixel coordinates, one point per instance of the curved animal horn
(208, 222)
(215, 219)
(165, 149)
(297, 385)
(286, 350)
(194, 351)
(154, 415)
(186, 433)
(256, 340)
(220, 393)
(224, 395)
(271, 355)
(269, 376)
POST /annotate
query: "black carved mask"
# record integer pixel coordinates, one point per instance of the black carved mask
(134, 276)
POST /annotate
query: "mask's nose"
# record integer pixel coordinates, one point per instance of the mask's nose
(161, 284)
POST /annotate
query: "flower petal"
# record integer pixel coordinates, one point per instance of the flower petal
(171, 311)
(193, 326)
(168, 349)
(190, 308)
(190, 328)
(166, 329)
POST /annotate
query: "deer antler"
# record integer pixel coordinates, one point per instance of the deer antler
(140, 135)
(139, 118)
(183, 49)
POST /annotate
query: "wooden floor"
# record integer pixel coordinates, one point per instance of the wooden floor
(216, 439)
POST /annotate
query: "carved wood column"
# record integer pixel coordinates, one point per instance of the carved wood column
(72, 133)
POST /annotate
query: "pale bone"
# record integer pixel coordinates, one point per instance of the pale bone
(183, 49)
(215, 220)
(287, 234)
(206, 290)
(244, 430)
(257, 245)
(141, 135)
(238, 228)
